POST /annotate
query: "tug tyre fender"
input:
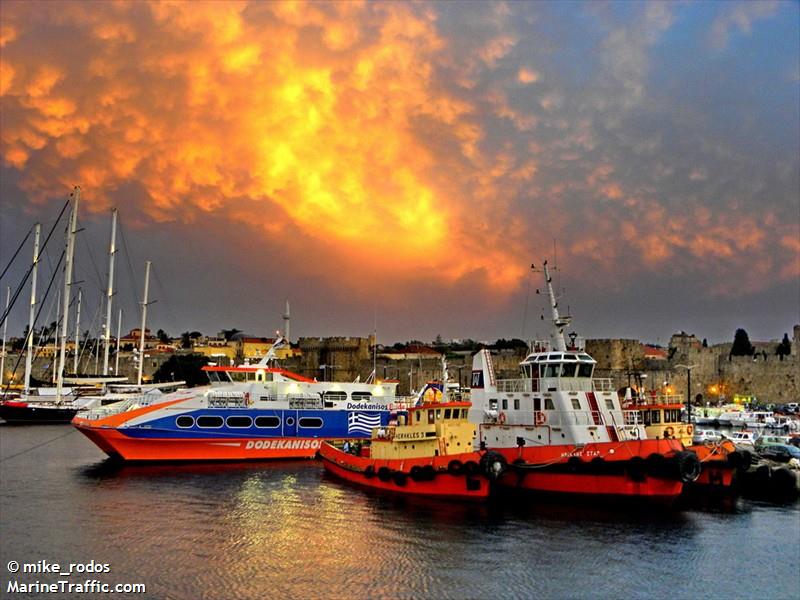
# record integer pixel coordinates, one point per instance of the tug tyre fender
(400, 478)
(493, 464)
(783, 483)
(384, 473)
(428, 473)
(455, 467)
(688, 466)
(369, 472)
(574, 464)
(471, 467)
(416, 473)
(636, 468)
(598, 464)
(656, 465)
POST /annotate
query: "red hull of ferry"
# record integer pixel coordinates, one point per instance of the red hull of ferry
(603, 469)
(443, 485)
(118, 445)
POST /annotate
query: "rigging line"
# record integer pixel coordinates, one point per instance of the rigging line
(134, 284)
(21, 244)
(30, 269)
(163, 293)
(36, 318)
(88, 329)
(99, 281)
(34, 447)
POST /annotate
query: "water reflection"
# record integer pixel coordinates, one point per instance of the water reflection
(251, 530)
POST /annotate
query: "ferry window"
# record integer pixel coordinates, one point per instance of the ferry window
(548, 404)
(655, 416)
(334, 396)
(463, 413)
(184, 421)
(610, 403)
(267, 422)
(447, 412)
(361, 396)
(209, 421)
(239, 421)
(430, 417)
(570, 357)
(438, 413)
(505, 403)
(310, 422)
(576, 403)
(568, 369)
(537, 404)
(418, 417)
(584, 370)
(516, 403)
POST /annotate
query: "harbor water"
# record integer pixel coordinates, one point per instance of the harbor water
(287, 530)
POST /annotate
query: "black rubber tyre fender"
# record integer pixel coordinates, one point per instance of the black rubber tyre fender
(688, 466)
(636, 468)
(656, 465)
(428, 473)
(384, 473)
(493, 464)
(455, 467)
(369, 472)
(415, 473)
(399, 478)
(471, 467)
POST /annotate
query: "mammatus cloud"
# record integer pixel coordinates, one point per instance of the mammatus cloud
(372, 132)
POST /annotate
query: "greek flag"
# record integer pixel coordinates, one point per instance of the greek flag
(358, 422)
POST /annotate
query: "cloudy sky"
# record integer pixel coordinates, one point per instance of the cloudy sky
(405, 163)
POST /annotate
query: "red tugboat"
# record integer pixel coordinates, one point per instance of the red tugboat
(427, 453)
(721, 462)
(563, 431)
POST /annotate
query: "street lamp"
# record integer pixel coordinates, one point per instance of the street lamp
(688, 389)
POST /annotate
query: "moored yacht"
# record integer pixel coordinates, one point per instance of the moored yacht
(562, 430)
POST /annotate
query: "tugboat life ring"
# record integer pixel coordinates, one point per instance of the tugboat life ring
(539, 418)
(501, 418)
(668, 432)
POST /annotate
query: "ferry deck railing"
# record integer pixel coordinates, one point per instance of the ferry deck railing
(565, 384)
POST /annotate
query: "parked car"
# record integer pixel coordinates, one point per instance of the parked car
(780, 452)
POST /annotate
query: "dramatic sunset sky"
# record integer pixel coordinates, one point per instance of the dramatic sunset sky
(407, 162)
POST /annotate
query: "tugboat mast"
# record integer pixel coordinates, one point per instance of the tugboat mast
(559, 322)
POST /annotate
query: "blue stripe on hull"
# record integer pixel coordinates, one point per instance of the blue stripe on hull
(335, 424)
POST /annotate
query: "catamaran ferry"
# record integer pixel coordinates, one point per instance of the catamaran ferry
(246, 413)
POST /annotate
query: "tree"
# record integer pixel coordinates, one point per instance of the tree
(705, 343)
(162, 336)
(785, 347)
(741, 344)
(187, 367)
(229, 333)
(186, 340)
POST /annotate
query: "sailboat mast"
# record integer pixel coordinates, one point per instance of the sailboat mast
(119, 334)
(144, 321)
(32, 315)
(77, 333)
(70, 254)
(5, 327)
(112, 250)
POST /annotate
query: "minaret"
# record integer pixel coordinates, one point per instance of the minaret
(286, 322)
